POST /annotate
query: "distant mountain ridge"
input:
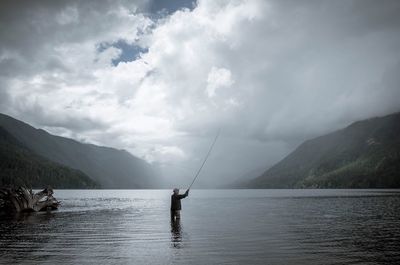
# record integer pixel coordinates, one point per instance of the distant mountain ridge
(109, 167)
(21, 167)
(365, 154)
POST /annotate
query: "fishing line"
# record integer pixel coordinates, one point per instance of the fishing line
(209, 151)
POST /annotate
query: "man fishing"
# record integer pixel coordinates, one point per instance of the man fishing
(176, 197)
(176, 206)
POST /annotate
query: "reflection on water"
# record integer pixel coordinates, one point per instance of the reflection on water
(31, 218)
(217, 227)
(176, 233)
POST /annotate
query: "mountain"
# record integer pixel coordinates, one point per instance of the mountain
(21, 167)
(365, 154)
(109, 167)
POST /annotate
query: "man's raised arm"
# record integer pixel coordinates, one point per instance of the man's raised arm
(184, 195)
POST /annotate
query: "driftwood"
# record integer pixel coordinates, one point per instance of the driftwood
(24, 200)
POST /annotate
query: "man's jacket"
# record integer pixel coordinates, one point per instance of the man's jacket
(176, 201)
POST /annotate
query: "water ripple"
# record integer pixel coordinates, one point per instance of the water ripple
(217, 227)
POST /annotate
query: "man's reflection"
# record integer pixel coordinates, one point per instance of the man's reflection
(176, 233)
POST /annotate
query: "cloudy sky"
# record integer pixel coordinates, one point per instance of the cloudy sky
(159, 78)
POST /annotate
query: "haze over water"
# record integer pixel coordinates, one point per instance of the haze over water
(217, 227)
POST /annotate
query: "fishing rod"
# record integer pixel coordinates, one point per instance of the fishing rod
(209, 151)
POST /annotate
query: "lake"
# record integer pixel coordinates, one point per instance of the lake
(217, 227)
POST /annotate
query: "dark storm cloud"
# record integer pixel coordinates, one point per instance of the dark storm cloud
(30, 26)
(316, 56)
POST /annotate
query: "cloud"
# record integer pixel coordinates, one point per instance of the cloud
(270, 74)
(218, 78)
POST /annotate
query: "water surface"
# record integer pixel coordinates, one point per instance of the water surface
(217, 227)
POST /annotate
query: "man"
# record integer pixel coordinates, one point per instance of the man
(176, 203)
